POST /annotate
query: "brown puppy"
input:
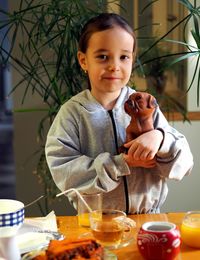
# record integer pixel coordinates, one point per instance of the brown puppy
(140, 106)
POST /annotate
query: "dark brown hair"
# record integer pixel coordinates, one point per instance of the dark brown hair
(102, 22)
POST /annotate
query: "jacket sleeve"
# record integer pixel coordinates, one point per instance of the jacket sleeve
(72, 169)
(174, 158)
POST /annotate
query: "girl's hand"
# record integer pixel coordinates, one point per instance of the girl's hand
(139, 163)
(142, 150)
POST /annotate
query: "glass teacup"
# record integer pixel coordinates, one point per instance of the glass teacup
(112, 228)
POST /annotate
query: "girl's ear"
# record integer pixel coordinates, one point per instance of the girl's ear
(82, 60)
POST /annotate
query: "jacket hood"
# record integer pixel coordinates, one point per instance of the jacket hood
(83, 97)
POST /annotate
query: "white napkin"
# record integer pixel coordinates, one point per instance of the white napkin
(42, 223)
(36, 233)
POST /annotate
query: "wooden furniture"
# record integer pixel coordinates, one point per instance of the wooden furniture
(68, 225)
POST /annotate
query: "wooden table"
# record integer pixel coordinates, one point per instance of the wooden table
(69, 227)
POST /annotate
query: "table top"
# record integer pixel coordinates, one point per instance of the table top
(68, 225)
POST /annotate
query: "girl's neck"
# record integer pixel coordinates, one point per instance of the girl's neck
(107, 100)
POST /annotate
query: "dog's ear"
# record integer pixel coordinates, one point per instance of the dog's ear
(152, 103)
(126, 107)
(128, 104)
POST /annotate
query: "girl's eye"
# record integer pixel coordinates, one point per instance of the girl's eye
(102, 57)
(124, 57)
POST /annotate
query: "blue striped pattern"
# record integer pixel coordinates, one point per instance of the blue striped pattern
(12, 219)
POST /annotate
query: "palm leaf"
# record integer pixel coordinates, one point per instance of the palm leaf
(187, 4)
(146, 6)
(193, 78)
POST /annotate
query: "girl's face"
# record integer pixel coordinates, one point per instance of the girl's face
(108, 60)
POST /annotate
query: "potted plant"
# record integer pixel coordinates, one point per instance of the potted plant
(46, 35)
(155, 71)
(190, 25)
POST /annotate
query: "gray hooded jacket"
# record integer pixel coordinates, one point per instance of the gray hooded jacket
(81, 151)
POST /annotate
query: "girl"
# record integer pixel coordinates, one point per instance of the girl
(82, 143)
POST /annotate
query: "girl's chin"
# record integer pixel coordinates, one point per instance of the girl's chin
(109, 87)
(113, 84)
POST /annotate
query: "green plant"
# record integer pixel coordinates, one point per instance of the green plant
(156, 74)
(45, 32)
(154, 61)
(157, 68)
(193, 17)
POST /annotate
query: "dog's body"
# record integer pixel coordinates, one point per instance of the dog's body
(140, 106)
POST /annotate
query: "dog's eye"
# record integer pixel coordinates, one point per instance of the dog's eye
(138, 97)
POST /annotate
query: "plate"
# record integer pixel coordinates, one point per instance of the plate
(36, 240)
(108, 255)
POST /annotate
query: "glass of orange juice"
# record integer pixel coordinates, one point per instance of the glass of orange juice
(190, 229)
(91, 202)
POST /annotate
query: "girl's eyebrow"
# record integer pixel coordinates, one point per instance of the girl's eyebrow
(100, 50)
(127, 51)
(105, 50)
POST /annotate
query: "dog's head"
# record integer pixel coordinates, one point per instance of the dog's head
(140, 104)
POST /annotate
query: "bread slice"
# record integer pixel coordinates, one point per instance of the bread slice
(79, 249)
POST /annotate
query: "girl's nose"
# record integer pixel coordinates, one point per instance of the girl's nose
(113, 66)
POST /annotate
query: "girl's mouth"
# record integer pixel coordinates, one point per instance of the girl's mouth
(111, 78)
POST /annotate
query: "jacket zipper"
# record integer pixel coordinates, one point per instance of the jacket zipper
(116, 145)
